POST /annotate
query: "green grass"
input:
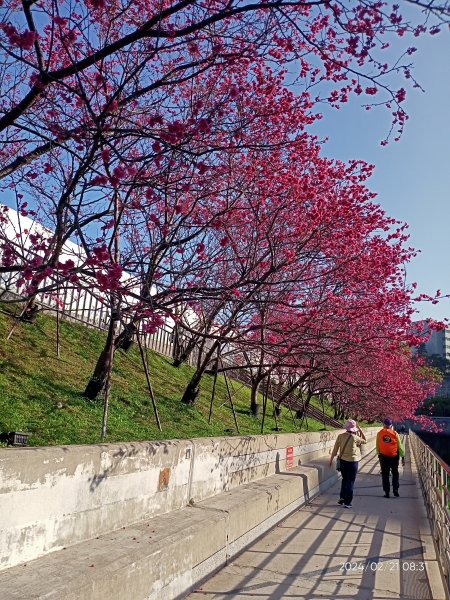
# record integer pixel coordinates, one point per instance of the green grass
(41, 393)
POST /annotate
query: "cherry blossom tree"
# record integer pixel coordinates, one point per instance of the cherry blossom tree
(169, 140)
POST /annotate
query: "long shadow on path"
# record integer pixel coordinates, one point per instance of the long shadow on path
(374, 551)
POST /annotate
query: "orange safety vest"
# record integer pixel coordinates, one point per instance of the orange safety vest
(387, 442)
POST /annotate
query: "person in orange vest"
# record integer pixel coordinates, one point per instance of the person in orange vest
(389, 449)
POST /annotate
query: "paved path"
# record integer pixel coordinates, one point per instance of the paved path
(378, 550)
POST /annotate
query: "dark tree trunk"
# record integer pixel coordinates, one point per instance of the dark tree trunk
(29, 315)
(124, 341)
(97, 382)
(192, 389)
(177, 356)
(181, 354)
(191, 392)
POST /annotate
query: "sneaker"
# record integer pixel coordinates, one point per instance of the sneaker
(387, 496)
(347, 505)
(396, 494)
(341, 501)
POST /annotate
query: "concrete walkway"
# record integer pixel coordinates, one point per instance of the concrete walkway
(377, 550)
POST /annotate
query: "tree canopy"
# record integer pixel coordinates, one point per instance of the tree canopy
(171, 140)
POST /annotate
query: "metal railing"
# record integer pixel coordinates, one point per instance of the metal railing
(434, 476)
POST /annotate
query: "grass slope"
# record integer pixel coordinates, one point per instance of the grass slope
(41, 393)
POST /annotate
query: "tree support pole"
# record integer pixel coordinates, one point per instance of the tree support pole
(214, 386)
(147, 376)
(58, 319)
(269, 383)
(231, 399)
(265, 394)
(107, 392)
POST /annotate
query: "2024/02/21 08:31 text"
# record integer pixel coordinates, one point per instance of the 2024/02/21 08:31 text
(389, 565)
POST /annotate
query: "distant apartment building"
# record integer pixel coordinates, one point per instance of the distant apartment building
(444, 390)
(438, 344)
(438, 347)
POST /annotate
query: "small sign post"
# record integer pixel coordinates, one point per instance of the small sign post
(289, 458)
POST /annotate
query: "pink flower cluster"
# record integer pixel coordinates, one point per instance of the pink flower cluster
(24, 40)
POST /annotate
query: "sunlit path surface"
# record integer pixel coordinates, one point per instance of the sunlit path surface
(379, 549)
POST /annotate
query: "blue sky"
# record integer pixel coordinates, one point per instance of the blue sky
(412, 177)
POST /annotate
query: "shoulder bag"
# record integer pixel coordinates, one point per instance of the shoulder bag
(338, 459)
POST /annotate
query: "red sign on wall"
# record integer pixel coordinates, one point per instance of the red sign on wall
(290, 457)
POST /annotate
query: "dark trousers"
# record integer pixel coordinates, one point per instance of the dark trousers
(349, 469)
(388, 464)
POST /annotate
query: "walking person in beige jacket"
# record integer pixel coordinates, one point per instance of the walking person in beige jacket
(348, 445)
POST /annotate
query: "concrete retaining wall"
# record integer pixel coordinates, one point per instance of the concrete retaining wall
(61, 497)
(57, 496)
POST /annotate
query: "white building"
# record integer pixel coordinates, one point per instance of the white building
(438, 343)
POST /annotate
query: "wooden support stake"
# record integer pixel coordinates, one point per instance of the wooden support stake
(16, 321)
(231, 399)
(147, 376)
(214, 386)
(57, 327)
(265, 394)
(269, 383)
